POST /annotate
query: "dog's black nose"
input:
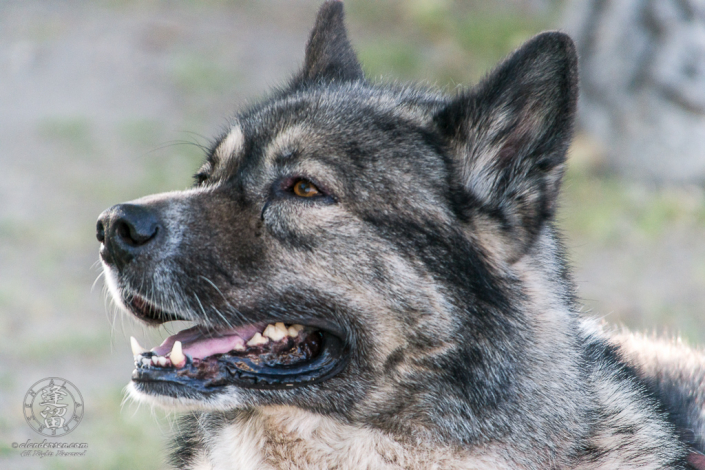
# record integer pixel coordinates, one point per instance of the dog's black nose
(126, 230)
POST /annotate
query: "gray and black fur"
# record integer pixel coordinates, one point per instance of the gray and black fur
(432, 251)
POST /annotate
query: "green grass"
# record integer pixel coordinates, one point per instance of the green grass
(72, 131)
(69, 343)
(14, 229)
(395, 59)
(118, 437)
(599, 206)
(602, 213)
(606, 209)
(141, 133)
(199, 74)
(440, 41)
(489, 36)
(170, 168)
(6, 449)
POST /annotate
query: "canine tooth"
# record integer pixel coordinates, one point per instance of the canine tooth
(276, 332)
(294, 330)
(257, 339)
(177, 355)
(137, 349)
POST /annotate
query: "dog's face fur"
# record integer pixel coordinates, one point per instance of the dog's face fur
(409, 230)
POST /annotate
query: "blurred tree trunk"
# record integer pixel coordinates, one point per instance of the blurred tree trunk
(643, 84)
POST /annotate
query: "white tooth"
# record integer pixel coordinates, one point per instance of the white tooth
(146, 361)
(269, 329)
(155, 360)
(294, 330)
(282, 328)
(177, 355)
(239, 345)
(162, 361)
(257, 339)
(274, 332)
(137, 350)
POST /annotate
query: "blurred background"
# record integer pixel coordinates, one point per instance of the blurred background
(109, 100)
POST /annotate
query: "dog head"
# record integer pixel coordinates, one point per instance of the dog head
(349, 247)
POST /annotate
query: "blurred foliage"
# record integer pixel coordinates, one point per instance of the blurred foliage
(198, 74)
(120, 436)
(638, 232)
(605, 209)
(443, 41)
(71, 131)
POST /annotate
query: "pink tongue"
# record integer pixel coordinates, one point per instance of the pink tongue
(199, 342)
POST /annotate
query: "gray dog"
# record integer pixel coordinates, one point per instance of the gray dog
(377, 283)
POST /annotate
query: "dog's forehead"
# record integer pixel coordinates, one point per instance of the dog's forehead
(320, 120)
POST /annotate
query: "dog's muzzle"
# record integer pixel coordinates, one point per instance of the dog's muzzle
(269, 352)
(127, 231)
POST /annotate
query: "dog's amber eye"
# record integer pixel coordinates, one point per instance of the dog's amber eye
(304, 188)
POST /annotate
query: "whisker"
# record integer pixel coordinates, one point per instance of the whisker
(232, 309)
(102, 273)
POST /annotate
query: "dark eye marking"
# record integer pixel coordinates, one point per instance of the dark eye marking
(203, 173)
(200, 178)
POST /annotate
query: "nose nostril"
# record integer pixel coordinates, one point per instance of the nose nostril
(123, 231)
(135, 236)
(128, 231)
(100, 232)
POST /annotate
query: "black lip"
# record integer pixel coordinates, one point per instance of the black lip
(244, 372)
(148, 312)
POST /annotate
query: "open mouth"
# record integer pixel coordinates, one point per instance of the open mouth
(262, 356)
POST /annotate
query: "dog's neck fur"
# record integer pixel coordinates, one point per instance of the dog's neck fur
(274, 438)
(285, 437)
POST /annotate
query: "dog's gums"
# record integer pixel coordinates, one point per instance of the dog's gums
(271, 356)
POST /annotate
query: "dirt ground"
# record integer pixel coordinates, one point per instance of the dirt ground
(106, 101)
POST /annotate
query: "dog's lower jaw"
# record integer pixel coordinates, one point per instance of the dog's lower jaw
(229, 399)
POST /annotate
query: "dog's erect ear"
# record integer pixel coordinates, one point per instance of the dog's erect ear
(329, 55)
(510, 134)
